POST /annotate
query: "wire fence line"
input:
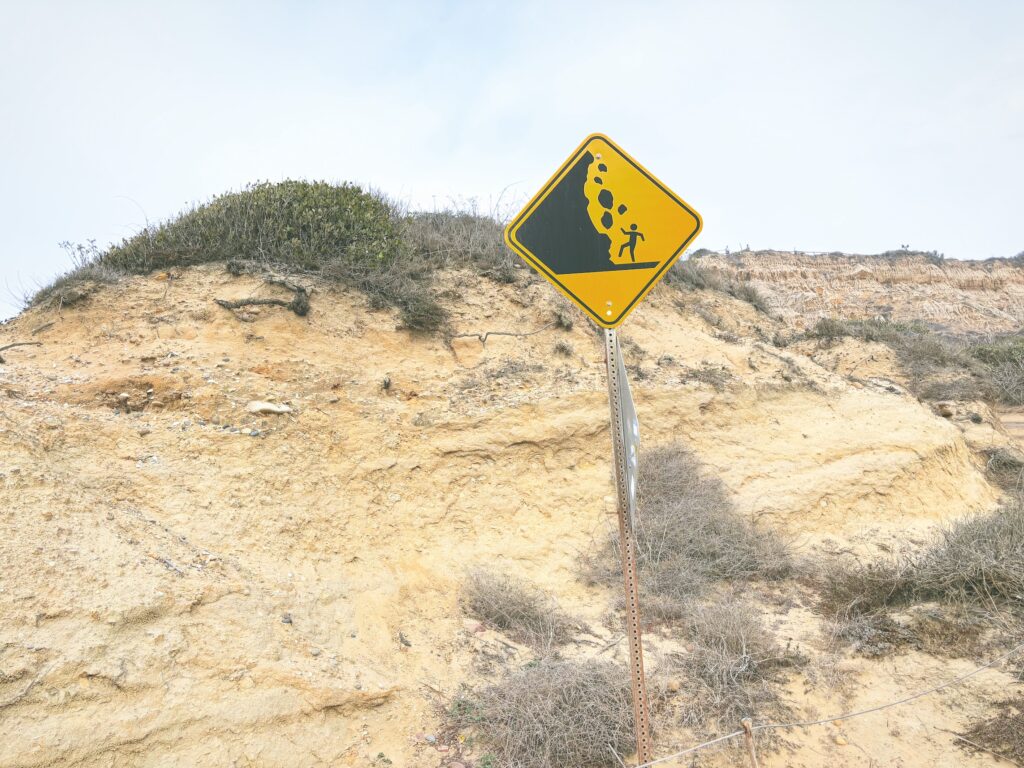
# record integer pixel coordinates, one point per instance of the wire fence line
(845, 716)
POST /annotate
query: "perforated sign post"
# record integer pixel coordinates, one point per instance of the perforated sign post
(604, 231)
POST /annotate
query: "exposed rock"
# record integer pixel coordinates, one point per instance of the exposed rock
(261, 406)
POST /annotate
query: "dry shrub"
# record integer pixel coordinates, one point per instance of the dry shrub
(553, 714)
(973, 569)
(691, 274)
(976, 560)
(520, 610)
(733, 665)
(1005, 467)
(1008, 380)
(717, 376)
(939, 367)
(82, 280)
(1002, 733)
(461, 237)
(943, 632)
(689, 535)
(564, 348)
(858, 589)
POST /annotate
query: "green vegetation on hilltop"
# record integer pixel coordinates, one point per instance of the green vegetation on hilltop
(312, 226)
(338, 232)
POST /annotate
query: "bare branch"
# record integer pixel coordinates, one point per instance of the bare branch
(483, 336)
(18, 344)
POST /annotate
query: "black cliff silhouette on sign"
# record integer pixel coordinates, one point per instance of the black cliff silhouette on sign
(561, 235)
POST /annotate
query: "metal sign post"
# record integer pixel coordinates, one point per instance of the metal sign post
(604, 231)
(625, 441)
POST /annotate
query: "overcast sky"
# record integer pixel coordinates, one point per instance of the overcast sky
(855, 126)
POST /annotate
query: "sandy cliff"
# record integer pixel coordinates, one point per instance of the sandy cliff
(187, 583)
(961, 296)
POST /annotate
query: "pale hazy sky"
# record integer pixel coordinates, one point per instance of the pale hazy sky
(853, 126)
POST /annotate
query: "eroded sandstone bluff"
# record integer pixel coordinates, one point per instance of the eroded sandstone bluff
(959, 296)
(186, 583)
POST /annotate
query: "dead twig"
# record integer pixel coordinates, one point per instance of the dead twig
(299, 304)
(43, 327)
(18, 344)
(978, 746)
(483, 336)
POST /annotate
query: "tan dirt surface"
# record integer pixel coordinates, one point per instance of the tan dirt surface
(185, 582)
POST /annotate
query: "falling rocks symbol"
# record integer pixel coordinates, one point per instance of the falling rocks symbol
(561, 233)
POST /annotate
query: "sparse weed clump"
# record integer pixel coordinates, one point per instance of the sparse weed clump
(974, 567)
(733, 665)
(689, 536)
(519, 609)
(552, 714)
(1001, 733)
(937, 367)
(691, 274)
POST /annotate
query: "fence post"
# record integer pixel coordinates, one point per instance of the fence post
(748, 737)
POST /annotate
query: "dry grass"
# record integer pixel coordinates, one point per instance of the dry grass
(1005, 466)
(520, 610)
(552, 714)
(1002, 733)
(973, 570)
(690, 274)
(733, 666)
(689, 536)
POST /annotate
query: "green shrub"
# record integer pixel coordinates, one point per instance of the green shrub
(296, 224)
(340, 232)
(1003, 349)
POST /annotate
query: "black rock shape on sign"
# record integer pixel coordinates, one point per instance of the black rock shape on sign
(560, 234)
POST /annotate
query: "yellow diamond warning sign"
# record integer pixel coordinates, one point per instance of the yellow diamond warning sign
(603, 230)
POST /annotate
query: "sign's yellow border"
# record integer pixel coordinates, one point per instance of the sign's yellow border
(513, 227)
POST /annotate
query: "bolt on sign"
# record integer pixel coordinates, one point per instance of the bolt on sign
(603, 230)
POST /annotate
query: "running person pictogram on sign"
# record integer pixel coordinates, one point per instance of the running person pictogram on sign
(631, 243)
